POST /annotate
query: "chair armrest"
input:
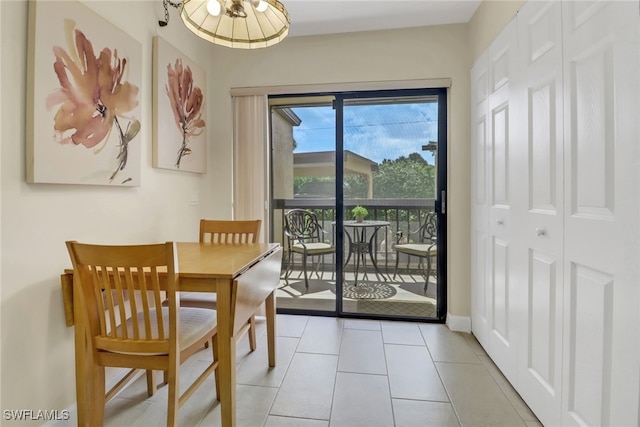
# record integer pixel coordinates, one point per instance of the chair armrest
(294, 239)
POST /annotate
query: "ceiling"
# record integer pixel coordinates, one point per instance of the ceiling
(313, 17)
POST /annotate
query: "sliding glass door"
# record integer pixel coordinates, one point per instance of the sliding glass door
(370, 166)
(390, 146)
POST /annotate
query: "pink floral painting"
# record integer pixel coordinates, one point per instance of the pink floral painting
(179, 110)
(84, 88)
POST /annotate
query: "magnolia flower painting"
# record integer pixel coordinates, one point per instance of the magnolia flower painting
(92, 97)
(85, 88)
(186, 103)
(179, 110)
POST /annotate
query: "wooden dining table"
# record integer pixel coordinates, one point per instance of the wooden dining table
(242, 275)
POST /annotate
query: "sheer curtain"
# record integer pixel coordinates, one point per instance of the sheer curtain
(250, 160)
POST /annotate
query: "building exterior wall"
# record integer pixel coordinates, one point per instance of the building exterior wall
(282, 152)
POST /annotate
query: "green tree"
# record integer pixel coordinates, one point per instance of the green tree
(405, 177)
(355, 185)
(299, 180)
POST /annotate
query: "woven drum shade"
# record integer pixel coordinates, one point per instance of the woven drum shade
(257, 30)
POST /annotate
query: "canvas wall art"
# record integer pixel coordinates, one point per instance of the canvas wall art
(179, 130)
(83, 118)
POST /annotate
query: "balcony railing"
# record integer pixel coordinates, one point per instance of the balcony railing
(403, 215)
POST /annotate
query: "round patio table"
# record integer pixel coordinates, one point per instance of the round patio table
(361, 242)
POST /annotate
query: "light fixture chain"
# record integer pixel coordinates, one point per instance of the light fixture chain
(166, 4)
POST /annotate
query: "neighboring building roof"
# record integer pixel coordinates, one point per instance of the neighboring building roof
(326, 159)
(288, 114)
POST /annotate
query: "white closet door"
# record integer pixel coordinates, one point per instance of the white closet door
(601, 348)
(480, 291)
(538, 207)
(503, 329)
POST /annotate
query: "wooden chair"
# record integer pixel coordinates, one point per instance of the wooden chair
(229, 232)
(423, 246)
(305, 237)
(122, 289)
(224, 233)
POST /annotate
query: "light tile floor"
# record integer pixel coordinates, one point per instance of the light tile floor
(345, 373)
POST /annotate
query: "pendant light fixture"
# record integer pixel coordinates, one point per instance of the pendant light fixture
(243, 24)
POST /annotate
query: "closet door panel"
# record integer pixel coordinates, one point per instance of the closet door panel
(503, 330)
(501, 295)
(480, 291)
(539, 241)
(589, 334)
(601, 117)
(542, 321)
(544, 165)
(480, 295)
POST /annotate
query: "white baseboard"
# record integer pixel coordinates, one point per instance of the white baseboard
(459, 323)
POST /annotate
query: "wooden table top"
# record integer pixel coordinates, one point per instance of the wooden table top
(200, 260)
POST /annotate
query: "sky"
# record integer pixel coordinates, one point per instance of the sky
(376, 132)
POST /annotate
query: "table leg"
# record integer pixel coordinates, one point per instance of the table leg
(375, 264)
(226, 354)
(350, 248)
(270, 309)
(371, 254)
(358, 255)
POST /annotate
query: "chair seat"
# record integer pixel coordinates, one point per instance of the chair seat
(208, 301)
(194, 323)
(314, 248)
(417, 249)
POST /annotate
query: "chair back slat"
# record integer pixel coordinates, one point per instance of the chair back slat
(146, 304)
(104, 299)
(229, 232)
(127, 274)
(123, 289)
(121, 305)
(155, 286)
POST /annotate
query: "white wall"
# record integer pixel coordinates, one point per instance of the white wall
(37, 349)
(488, 21)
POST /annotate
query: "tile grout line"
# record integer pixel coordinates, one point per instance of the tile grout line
(295, 351)
(444, 386)
(335, 377)
(386, 367)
